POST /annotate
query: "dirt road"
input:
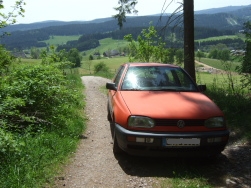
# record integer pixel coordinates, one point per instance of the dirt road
(94, 164)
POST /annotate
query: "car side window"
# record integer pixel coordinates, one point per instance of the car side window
(118, 76)
(185, 81)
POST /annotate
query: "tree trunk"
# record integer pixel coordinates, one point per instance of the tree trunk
(189, 65)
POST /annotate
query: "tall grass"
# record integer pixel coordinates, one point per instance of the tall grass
(236, 106)
(227, 92)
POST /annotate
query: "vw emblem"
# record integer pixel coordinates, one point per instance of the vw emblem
(181, 124)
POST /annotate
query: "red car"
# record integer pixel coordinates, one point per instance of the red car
(157, 109)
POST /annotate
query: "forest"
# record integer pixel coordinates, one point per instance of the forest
(206, 25)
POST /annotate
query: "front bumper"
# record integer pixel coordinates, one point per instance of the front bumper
(159, 147)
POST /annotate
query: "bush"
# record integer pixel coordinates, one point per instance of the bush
(101, 67)
(34, 98)
(40, 123)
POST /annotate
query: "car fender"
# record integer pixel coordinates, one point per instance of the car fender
(120, 110)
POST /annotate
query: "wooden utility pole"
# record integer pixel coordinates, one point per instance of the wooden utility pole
(189, 65)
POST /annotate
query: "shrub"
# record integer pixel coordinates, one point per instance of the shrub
(101, 67)
(34, 98)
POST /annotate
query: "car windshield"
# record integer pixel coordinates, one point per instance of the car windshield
(157, 78)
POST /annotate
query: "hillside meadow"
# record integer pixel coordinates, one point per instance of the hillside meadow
(59, 40)
(222, 37)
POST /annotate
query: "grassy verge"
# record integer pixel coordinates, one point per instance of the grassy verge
(44, 152)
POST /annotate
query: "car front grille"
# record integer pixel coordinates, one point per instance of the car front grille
(173, 122)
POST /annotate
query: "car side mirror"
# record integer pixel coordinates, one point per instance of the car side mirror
(111, 86)
(202, 87)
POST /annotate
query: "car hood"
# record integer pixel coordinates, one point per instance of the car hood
(174, 105)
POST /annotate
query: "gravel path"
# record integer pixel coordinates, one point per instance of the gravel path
(94, 164)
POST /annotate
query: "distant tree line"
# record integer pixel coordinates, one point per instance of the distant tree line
(230, 43)
(21, 40)
(173, 38)
(205, 26)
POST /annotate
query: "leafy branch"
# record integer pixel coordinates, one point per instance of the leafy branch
(10, 17)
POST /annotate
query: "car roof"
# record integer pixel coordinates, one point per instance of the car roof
(139, 64)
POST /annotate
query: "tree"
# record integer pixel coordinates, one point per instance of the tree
(179, 56)
(91, 57)
(246, 62)
(35, 53)
(74, 57)
(224, 55)
(5, 60)
(200, 54)
(7, 19)
(147, 47)
(245, 68)
(188, 7)
(213, 54)
(128, 6)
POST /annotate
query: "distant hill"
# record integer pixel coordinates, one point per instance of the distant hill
(228, 9)
(49, 23)
(228, 20)
(243, 12)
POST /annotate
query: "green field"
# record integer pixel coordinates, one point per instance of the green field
(220, 65)
(221, 38)
(106, 45)
(59, 40)
(114, 62)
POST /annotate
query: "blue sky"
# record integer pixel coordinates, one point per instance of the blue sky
(72, 10)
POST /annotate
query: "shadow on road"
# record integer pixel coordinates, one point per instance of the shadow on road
(233, 166)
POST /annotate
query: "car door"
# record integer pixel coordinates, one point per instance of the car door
(112, 93)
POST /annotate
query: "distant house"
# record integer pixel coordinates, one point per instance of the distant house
(111, 53)
(238, 52)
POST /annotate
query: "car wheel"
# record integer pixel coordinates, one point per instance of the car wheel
(116, 148)
(109, 118)
(112, 124)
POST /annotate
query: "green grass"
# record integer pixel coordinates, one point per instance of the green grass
(110, 44)
(220, 79)
(106, 45)
(186, 180)
(112, 63)
(59, 40)
(221, 38)
(218, 64)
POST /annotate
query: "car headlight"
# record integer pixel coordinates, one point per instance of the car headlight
(140, 121)
(215, 122)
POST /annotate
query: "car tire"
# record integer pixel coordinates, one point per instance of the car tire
(109, 118)
(112, 124)
(116, 148)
